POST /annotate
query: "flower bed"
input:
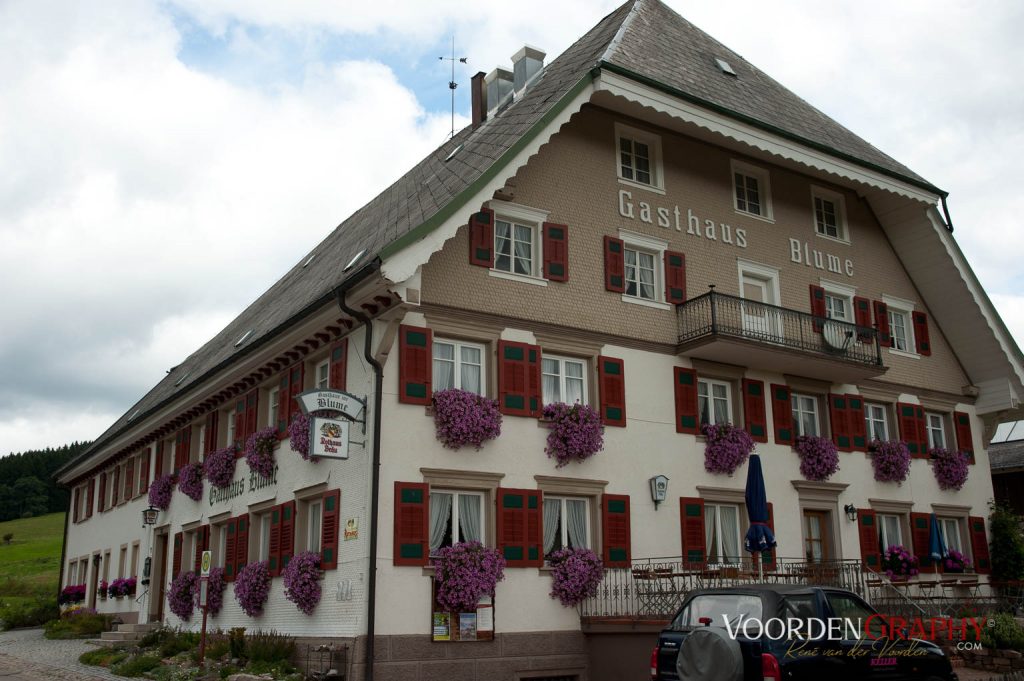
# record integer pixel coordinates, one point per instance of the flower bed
(259, 451)
(899, 563)
(302, 581)
(890, 460)
(464, 418)
(465, 572)
(181, 596)
(726, 449)
(219, 466)
(575, 575)
(819, 458)
(950, 468)
(576, 432)
(252, 586)
(190, 480)
(160, 492)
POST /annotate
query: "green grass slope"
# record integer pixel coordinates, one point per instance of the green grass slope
(30, 564)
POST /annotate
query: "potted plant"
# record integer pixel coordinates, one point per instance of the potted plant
(466, 572)
(160, 492)
(890, 460)
(726, 447)
(181, 595)
(464, 418)
(259, 451)
(252, 586)
(950, 468)
(575, 575)
(102, 590)
(302, 581)
(219, 466)
(899, 564)
(190, 480)
(956, 562)
(576, 433)
(819, 458)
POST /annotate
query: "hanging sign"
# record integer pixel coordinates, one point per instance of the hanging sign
(350, 405)
(328, 437)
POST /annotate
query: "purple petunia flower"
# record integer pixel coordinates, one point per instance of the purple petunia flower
(726, 449)
(465, 572)
(259, 451)
(576, 432)
(890, 460)
(950, 468)
(219, 466)
(252, 586)
(464, 418)
(160, 492)
(819, 458)
(190, 480)
(302, 581)
(575, 575)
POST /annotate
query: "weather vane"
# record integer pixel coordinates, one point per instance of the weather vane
(452, 84)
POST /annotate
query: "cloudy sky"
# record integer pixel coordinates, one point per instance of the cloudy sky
(164, 162)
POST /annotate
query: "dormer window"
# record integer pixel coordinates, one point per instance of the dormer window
(639, 158)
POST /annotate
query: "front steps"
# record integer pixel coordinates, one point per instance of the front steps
(123, 635)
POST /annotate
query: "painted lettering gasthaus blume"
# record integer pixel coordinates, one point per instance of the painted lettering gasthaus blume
(593, 240)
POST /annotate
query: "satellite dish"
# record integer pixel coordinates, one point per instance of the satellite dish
(836, 335)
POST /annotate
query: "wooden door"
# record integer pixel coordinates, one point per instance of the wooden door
(817, 536)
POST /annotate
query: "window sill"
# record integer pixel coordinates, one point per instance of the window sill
(755, 216)
(904, 353)
(640, 185)
(536, 281)
(646, 303)
(831, 238)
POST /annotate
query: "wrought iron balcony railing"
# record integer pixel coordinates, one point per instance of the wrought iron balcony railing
(720, 315)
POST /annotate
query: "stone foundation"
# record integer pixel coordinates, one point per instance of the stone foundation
(994, 660)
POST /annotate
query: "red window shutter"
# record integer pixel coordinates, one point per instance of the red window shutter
(691, 522)
(556, 252)
(287, 533)
(77, 504)
(924, 346)
(241, 555)
(415, 365)
(782, 414)
(519, 379)
(412, 523)
(90, 498)
(755, 419)
(685, 385)
(274, 554)
(520, 535)
(979, 544)
(239, 417)
(329, 529)
(862, 318)
(182, 447)
(176, 560)
(882, 322)
(768, 557)
(858, 428)
(338, 371)
(675, 277)
(614, 265)
(612, 379)
(282, 403)
(252, 406)
(818, 307)
(159, 459)
(296, 383)
(964, 438)
(481, 238)
(129, 478)
(920, 526)
(115, 490)
(906, 418)
(103, 491)
(231, 527)
(840, 422)
(615, 535)
(210, 432)
(867, 526)
(202, 544)
(144, 471)
(922, 431)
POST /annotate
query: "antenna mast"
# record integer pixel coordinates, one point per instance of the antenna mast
(452, 84)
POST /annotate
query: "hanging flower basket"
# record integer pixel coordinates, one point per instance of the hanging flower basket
(890, 460)
(102, 590)
(950, 468)
(576, 432)
(898, 563)
(190, 480)
(956, 562)
(259, 451)
(302, 581)
(466, 572)
(252, 586)
(219, 466)
(181, 596)
(726, 449)
(298, 433)
(575, 575)
(464, 418)
(819, 458)
(214, 591)
(160, 492)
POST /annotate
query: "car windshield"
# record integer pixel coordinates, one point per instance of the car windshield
(718, 607)
(856, 613)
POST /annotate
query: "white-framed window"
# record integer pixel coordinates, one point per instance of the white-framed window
(722, 532)
(805, 414)
(890, 530)
(322, 374)
(273, 401)
(563, 379)
(714, 401)
(877, 421)
(314, 523)
(455, 516)
(829, 210)
(951, 533)
(644, 259)
(566, 523)
(639, 160)
(231, 428)
(517, 242)
(759, 284)
(458, 365)
(752, 193)
(221, 532)
(900, 328)
(263, 546)
(935, 425)
(838, 300)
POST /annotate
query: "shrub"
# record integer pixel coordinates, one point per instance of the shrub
(156, 637)
(819, 458)
(179, 641)
(136, 666)
(259, 451)
(1003, 632)
(726, 449)
(302, 581)
(950, 468)
(576, 433)
(890, 460)
(269, 647)
(182, 594)
(575, 575)
(236, 642)
(252, 586)
(190, 480)
(102, 657)
(1007, 544)
(464, 418)
(465, 572)
(84, 625)
(34, 613)
(219, 466)
(217, 645)
(8, 537)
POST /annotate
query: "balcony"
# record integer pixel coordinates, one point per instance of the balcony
(724, 328)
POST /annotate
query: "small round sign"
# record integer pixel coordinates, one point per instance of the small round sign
(206, 563)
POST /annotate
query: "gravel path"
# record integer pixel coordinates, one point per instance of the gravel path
(25, 654)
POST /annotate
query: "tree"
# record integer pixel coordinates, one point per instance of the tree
(30, 493)
(1007, 544)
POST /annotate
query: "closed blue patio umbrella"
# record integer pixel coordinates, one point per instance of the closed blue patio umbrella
(760, 537)
(937, 550)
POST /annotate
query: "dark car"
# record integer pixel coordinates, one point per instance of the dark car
(775, 632)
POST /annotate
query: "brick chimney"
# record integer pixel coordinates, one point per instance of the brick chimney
(478, 95)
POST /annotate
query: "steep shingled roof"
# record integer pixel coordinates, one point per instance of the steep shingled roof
(643, 37)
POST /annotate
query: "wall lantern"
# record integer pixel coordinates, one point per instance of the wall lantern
(851, 512)
(149, 516)
(659, 489)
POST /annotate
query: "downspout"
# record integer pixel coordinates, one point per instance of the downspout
(64, 547)
(945, 210)
(378, 373)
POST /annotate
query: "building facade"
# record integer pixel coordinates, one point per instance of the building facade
(649, 226)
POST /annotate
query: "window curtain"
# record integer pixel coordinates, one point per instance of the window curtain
(471, 370)
(552, 511)
(730, 533)
(645, 267)
(551, 373)
(444, 366)
(469, 517)
(576, 523)
(440, 518)
(502, 247)
(573, 383)
(524, 250)
(710, 518)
